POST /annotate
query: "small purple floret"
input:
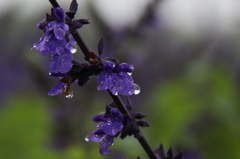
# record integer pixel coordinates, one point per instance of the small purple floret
(107, 130)
(57, 42)
(117, 79)
(124, 67)
(54, 36)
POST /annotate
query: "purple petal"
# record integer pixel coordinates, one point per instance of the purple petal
(108, 65)
(105, 80)
(105, 143)
(117, 114)
(41, 25)
(59, 33)
(125, 84)
(111, 127)
(57, 89)
(61, 62)
(60, 14)
(48, 43)
(99, 118)
(97, 136)
(124, 67)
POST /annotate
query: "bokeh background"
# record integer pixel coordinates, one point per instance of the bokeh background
(186, 55)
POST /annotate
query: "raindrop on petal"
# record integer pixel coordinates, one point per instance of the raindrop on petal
(34, 46)
(70, 94)
(73, 51)
(137, 90)
(86, 138)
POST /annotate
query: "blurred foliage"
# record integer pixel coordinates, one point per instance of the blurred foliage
(25, 126)
(198, 111)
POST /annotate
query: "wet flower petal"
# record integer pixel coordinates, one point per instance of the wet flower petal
(104, 145)
(57, 89)
(107, 130)
(61, 62)
(59, 33)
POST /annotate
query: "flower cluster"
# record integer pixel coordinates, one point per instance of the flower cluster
(117, 78)
(57, 42)
(111, 124)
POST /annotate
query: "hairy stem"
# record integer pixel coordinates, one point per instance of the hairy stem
(139, 136)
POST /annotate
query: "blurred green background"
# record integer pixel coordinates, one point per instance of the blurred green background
(189, 82)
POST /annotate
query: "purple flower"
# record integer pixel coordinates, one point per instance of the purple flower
(53, 40)
(107, 130)
(117, 79)
(61, 62)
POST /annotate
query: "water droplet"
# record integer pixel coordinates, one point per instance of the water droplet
(34, 46)
(86, 138)
(116, 93)
(112, 144)
(129, 73)
(96, 136)
(73, 51)
(137, 90)
(70, 94)
(50, 73)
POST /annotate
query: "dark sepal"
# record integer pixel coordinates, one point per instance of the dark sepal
(70, 14)
(139, 115)
(78, 23)
(169, 153)
(82, 21)
(143, 123)
(161, 153)
(72, 9)
(83, 72)
(100, 47)
(130, 128)
(50, 18)
(108, 109)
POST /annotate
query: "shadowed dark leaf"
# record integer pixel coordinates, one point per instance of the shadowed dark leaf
(139, 115)
(74, 6)
(143, 123)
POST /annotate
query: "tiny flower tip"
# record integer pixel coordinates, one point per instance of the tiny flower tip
(60, 14)
(41, 25)
(108, 65)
